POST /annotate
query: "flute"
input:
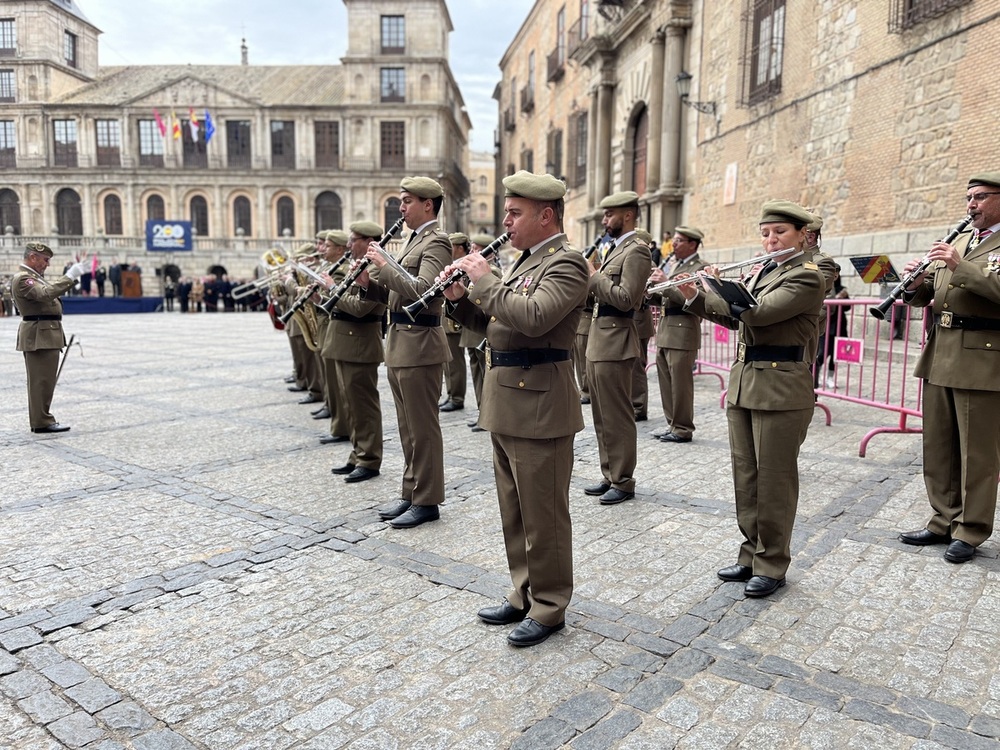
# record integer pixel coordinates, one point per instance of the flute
(352, 275)
(882, 309)
(438, 287)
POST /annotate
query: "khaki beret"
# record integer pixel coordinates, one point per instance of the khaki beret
(39, 247)
(366, 229)
(322, 234)
(536, 187)
(621, 200)
(692, 233)
(643, 235)
(985, 178)
(482, 239)
(336, 236)
(306, 249)
(458, 238)
(816, 224)
(422, 187)
(785, 211)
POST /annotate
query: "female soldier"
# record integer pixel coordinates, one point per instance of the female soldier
(770, 398)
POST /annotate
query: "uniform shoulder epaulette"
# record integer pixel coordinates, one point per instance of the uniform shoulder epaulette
(810, 265)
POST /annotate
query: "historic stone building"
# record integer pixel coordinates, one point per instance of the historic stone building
(290, 149)
(871, 112)
(482, 215)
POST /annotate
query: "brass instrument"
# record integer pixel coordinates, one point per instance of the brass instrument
(882, 309)
(274, 262)
(326, 267)
(438, 287)
(305, 316)
(352, 276)
(657, 288)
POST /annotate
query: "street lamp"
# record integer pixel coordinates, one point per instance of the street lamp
(683, 81)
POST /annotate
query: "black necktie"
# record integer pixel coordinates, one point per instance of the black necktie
(524, 256)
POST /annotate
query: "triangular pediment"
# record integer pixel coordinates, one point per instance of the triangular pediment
(190, 91)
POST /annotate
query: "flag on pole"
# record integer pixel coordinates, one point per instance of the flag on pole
(209, 127)
(177, 126)
(193, 124)
(160, 123)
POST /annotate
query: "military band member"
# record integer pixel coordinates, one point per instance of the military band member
(40, 335)
(530, 404)
(455, 376)
(678, 338)
(619, 288)
(356, 333)
(415, 350)
(770, 398)
(332, 246)
(306, 363)
(961, 397)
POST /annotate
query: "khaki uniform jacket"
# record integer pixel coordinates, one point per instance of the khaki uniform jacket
(952, 357)
(790, 297)
(424, 257)
(679, 331)
(470, 338)
(537, 307)
(350, 341)
(621, 283)
(34, 295)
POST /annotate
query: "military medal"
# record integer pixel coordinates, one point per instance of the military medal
(993, 262)
(527, 283)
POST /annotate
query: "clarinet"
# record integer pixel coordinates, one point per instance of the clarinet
(352, 275)
(438, 287)
(303, 298)
(589, 252)
(882, 309)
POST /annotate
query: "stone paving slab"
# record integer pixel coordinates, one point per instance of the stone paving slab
(181, 570)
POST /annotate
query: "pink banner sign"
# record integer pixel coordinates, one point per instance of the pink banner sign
(849, 350)
(721, 334)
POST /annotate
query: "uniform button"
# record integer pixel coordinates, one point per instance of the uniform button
(945, 305)
(989, 346)
(350, 333)
(951, 286)
(479, 301)
(774, 364)
(409, 328)
(521, 384)
(493, 319)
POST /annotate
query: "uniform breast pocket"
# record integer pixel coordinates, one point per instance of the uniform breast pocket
(988, 341)
(48, 325)
(613, 271)
(532, 379)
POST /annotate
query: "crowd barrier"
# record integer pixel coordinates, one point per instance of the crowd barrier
(873, 361)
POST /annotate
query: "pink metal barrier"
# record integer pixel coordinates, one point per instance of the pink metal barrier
(860, 359)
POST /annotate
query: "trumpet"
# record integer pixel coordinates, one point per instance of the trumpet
(438, 287)
(882, 309)
(318, 282)
(352, 275)
(657, 288)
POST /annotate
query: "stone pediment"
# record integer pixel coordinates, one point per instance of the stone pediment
(191, 91)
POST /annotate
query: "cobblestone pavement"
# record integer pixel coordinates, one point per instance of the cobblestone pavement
(181, 570)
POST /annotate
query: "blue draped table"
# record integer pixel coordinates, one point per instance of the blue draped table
(106, 305)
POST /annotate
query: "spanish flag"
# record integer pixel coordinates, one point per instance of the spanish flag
(177, 126)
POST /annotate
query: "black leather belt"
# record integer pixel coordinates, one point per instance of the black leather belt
(525, 358)
(609, 311)
(429, 321)
(768, 353)
(41, 317)
(668, 311)
(338, 315)
(967, 322)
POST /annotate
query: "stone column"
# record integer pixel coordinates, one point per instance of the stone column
(656, 96)
(671, 147)
(605, 115)
(592, 120)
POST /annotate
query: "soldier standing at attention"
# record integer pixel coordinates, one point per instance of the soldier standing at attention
(415, 350)
(530, 402)
(619, 288)
(40, 336)
(961, 398)
(770, 400)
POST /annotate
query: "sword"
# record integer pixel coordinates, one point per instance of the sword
(72, 340)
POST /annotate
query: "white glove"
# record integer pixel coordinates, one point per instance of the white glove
(76, 270)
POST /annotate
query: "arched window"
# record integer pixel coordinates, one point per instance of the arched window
(391, 210)
(10, 211)
(242, 218)
(113, 215)
(286, 216)
(155, 209)
(639, 136)
(328, 211)
(199, 215)
(69, 214)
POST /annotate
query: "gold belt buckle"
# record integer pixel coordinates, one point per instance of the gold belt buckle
(945, 320)
(489, 357)
(741, 352)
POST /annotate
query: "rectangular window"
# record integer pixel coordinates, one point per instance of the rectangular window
(393, 35)
(238, 144)
(8, 37)
(584, 19)
(328, 145)
(528, 160)
(764, 46)
(150, 144)
(69, 49)
(8, 144)
(64, 143)
(393, 84)
(109, 143)
(905, 14)
(195, 152)
(578, 149)
(554, 160)
(393, 145)
(8, 87)
(282, 144)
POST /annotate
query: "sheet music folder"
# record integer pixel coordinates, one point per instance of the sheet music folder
(733, 292)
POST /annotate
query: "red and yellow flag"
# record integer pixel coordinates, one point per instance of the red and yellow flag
(177, 126)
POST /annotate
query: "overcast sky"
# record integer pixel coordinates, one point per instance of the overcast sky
(208, 32)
